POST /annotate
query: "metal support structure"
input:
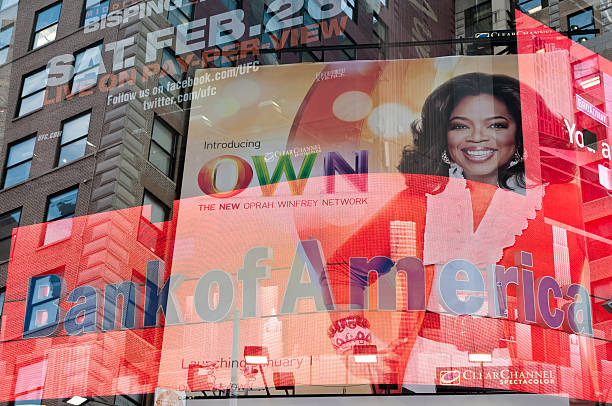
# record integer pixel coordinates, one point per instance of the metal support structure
(264, 380)
(235, 352)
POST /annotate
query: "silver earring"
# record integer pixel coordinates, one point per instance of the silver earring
(445, 158)
(516, 159)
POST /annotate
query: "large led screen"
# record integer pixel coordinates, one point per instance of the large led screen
(415, 224)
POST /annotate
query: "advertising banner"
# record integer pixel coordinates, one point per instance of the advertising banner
(412, 224)
(349, 169)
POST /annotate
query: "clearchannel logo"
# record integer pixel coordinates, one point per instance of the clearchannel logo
(452, 377)
(495, 376)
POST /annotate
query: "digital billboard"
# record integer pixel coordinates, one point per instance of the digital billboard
(414, 224)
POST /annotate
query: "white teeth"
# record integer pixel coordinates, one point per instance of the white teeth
(480, 152)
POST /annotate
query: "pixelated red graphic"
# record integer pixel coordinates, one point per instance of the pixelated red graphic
(180, 351)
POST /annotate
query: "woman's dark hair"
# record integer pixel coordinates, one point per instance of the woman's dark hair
(430, 131)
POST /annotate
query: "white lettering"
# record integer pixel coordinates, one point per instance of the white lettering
(230, 21)
(605, 150)
(570, 130)
(153, 44)
(60, 70)
(183, 36)
(579, 138)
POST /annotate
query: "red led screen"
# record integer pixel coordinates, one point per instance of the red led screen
(415, 222)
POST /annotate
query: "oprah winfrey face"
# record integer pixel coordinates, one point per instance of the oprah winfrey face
(481, 137)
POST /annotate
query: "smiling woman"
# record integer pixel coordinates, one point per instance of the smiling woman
(481, 138)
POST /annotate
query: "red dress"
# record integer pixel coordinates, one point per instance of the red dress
(523, 224)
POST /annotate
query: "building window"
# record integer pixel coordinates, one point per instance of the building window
(163, 146)
(311, 24)
(601, 227)
(532, 6)
(2, 294)
(350, 9)
(19, 161)
(348, 52)
(86, 66)
(45, 28)
(271, 38)
(42, 312)
(60, 207)
(8, 221)
(308, 56)
(232, 4)
(586, 68)
(224, 61)
(94, 10)
(479, 18)
(5, 41)
(29, 383)
(159, 211)
(44, 296)
(181, 15)
(171, 74)
(348, 6)
(74, 139)
(4, 4)
(602, 292)
(33, 92)
(380, 28)
(583, 20)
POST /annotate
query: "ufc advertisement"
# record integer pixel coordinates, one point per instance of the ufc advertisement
(416, 225)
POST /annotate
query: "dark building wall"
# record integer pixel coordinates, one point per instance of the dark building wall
(115, 171)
